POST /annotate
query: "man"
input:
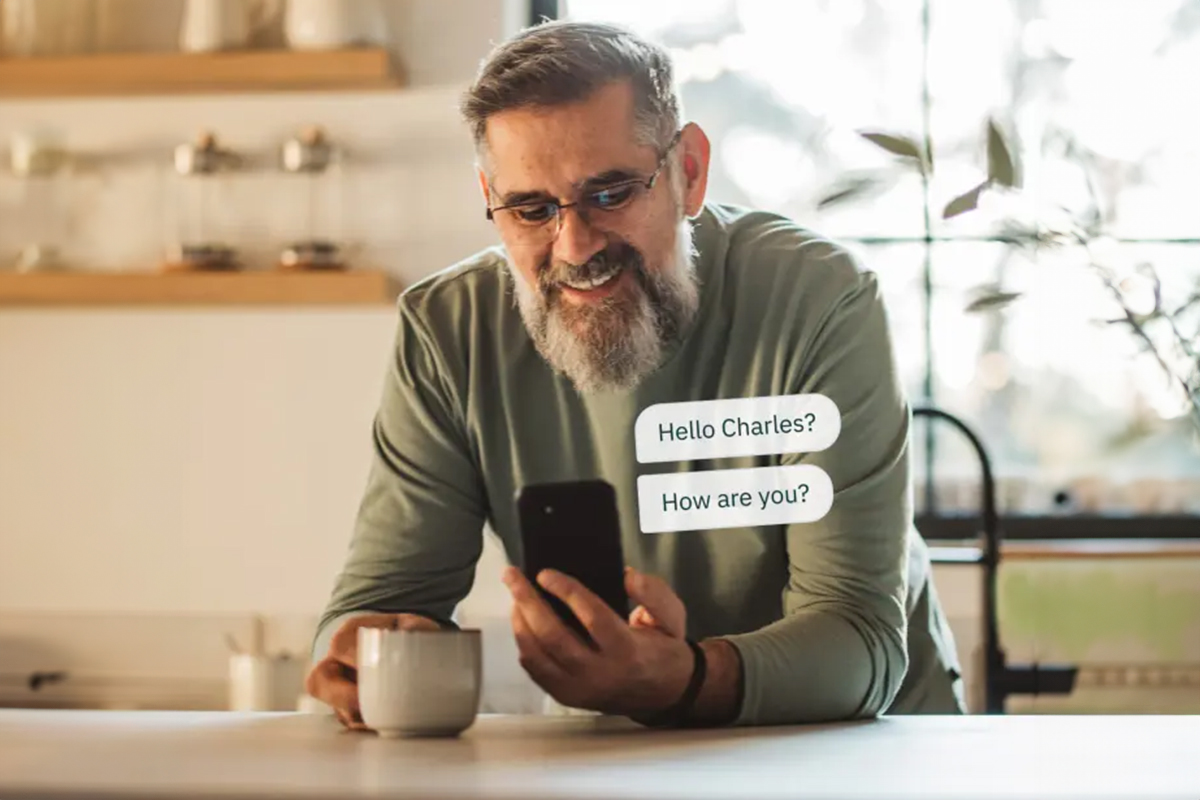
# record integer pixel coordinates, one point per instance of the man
(619, 288)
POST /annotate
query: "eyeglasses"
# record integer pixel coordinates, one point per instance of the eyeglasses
(537, 223)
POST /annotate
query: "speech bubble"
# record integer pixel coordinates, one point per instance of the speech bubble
(744, 426)
(733, 498)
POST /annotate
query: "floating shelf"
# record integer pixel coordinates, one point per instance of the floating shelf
(251, 288)
(126, 74)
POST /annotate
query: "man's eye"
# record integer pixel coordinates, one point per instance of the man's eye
(614, 197)
(535, 213)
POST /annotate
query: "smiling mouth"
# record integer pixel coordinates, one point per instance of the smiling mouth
(595, 281)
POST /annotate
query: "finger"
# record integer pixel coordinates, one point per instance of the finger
(351, 722)
(534, 659)
(553, 636)
(659, 600)
(343, 646)
(606, 628)
(641, 618)
(332, 683)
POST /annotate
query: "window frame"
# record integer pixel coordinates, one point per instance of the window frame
(954, 525)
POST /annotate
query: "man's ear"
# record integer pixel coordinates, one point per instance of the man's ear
(694, 150)
(483, 186)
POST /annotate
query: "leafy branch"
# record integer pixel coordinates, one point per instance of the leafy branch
(1003, 174)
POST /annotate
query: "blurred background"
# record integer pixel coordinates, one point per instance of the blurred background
(207, 207)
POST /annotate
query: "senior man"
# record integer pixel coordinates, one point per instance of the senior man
(618, 288)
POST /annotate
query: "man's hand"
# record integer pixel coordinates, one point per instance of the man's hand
(658, 605)
(334, 679)
(638, 666)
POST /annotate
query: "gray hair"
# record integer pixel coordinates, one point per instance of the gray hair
(557, 63)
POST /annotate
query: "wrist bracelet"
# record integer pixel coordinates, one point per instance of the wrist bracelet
(680, 712)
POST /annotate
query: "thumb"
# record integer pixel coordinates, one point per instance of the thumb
(659, 606)
(641, 618)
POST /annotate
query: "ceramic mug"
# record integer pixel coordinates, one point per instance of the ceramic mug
(211, 25)
(264, 683)
(419, 683)
(334, 24)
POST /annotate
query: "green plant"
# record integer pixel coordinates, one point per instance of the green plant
(1158, 330)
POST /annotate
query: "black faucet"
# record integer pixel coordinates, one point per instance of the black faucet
(1001, 679)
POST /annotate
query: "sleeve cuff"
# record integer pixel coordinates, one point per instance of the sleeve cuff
(747, 684)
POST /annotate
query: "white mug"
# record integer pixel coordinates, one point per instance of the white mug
(264, 683)
(211, 25)
(334, 24)
(419, 683)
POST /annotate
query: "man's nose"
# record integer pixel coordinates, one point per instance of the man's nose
(577, 240)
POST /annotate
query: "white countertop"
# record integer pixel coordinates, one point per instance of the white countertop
(94, 754)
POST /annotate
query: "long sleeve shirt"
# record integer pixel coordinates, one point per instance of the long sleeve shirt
(820, 612)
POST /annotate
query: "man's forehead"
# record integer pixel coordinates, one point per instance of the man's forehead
(543, 149)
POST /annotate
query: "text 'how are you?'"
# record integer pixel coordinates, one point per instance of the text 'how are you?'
(733, 498)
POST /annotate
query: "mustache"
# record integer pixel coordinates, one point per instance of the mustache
(620, 254)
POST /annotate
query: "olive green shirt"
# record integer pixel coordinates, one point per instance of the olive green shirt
(828, 617)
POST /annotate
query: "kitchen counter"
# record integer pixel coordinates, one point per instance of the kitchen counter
(106, 754)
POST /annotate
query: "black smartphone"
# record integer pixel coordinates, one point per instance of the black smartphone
(573, 527)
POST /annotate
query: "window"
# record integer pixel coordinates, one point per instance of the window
(1063, 401)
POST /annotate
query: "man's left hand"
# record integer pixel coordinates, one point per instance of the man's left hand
(631, 668)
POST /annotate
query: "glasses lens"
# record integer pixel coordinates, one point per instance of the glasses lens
(528, 225)
(611, 200)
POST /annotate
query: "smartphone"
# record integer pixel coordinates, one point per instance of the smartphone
(573, 527)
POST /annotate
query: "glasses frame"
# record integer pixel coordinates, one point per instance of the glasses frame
(558, 207)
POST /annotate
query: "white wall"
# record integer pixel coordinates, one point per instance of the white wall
(171, 429)
(165, 474)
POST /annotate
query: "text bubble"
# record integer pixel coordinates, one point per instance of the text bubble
(733, 498)
(744, 426)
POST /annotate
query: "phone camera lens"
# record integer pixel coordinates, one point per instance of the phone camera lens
(549, 509)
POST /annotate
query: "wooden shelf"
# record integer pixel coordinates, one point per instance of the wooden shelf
(194, 73)
(251, 288)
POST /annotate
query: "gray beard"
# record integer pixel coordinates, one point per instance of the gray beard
(614, 344)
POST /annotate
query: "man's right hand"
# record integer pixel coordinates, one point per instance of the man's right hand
(658, 605)
(334, 679)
